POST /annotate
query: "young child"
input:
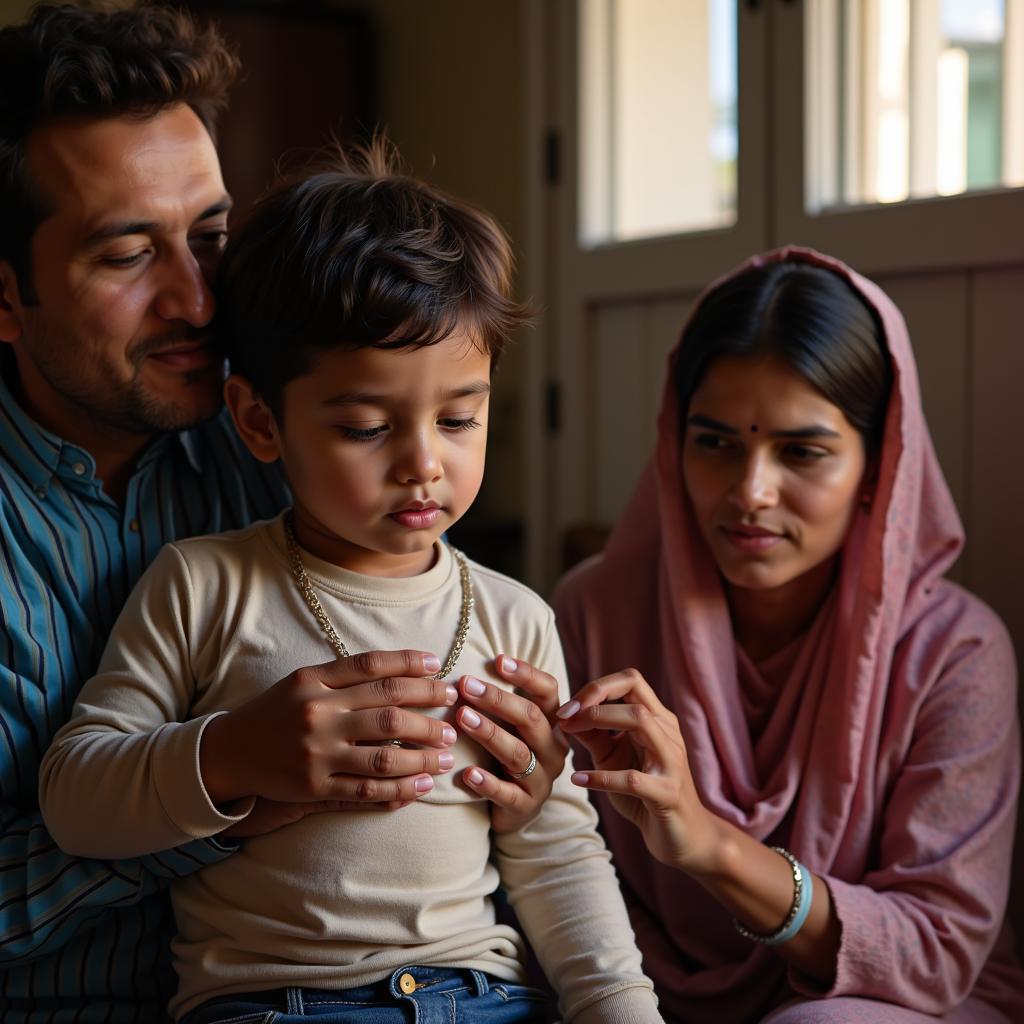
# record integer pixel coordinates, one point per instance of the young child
(364, 312)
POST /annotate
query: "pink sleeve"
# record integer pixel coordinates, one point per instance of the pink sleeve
(918, 928)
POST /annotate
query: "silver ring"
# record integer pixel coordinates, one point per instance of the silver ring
(528, 770)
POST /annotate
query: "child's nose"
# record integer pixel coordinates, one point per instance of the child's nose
(420, 462)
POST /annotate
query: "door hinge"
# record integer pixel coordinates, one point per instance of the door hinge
(553, 407)
(552, 158)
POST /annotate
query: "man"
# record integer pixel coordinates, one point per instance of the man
(112, 217)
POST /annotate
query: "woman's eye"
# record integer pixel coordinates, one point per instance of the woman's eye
(713, 442)
(452, 423)
(805, 453)
(362, 433)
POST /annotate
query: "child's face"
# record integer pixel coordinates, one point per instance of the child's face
(384, 450)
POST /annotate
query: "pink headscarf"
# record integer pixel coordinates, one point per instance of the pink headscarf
(836, 713)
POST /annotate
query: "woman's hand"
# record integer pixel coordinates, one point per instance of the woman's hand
(640, 760)
(531, 715)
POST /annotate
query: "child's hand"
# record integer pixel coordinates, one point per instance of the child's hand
(516, 801)
(270, 815)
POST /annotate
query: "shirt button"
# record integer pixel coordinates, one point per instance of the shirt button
(134, 526)
(40, 492)
(407, 983)
(78, 468)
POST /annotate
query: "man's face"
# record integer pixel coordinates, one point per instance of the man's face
(117, 341)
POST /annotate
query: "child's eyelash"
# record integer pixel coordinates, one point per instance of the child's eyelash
(362, 434)
(456, 424)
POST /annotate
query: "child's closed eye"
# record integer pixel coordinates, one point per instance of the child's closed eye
(457, 423)
(362, 433)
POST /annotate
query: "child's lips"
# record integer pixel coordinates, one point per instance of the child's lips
(417, 518)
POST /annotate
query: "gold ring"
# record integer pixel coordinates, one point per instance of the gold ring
(528, 770)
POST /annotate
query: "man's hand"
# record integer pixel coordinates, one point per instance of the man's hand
(323, 734)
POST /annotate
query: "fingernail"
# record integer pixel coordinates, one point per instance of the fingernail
(445, 760)
(474, 687)
(470, 718)
(475, 776)
(580, 778)
(451, 695)
(431, 663)
(507, 664)
(448, 734)
(424, 784)
(568, 710)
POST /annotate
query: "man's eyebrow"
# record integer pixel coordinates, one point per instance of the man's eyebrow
(812, 430)
(126, 228)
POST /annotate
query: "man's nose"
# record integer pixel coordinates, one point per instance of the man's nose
(184, 292)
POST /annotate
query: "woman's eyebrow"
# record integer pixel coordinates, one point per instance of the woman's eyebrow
(706, 421)
(810, 431)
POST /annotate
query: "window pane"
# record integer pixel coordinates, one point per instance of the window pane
(913, 98)
(657, 115)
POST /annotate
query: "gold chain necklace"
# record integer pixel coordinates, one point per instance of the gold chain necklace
(306, 589)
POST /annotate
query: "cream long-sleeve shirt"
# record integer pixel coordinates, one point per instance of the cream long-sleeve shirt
(334, 900)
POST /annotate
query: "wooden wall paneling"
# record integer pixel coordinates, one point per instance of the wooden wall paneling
(620, 412)
(936, 309)
(997, 426)
(667, 319)
(997, 477)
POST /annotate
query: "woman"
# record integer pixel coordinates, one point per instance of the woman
(805, 679)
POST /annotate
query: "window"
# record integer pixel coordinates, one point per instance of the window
(657, 118)
(910, 99)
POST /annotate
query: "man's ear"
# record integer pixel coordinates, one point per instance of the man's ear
(254, 421)
(10, 304)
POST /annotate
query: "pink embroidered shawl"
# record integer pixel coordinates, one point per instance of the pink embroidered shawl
(886, 751)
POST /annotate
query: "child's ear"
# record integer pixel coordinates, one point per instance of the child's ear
(254, 421)
(10, 321)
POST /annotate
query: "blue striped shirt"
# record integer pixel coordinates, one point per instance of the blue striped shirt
(87, 940)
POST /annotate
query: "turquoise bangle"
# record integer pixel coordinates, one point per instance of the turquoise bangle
(803, 896)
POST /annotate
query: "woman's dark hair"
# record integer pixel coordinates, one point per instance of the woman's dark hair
(94, 60)
(807, 317)
(358, 255)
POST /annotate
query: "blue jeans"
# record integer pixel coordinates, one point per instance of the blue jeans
(412, 995)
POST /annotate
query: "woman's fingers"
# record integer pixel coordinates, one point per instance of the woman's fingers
(350, 788)
(509, 795)
(656, 790)
(627, 685)
(525, 715)
(388, 761)
(386, 724)
(512, 752)
(541, 687)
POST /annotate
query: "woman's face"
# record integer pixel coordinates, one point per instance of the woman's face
(773, 469)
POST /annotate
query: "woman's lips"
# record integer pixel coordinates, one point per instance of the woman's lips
(417, 518)
(751, 540)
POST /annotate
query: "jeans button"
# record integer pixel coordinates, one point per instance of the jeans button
(407, 983)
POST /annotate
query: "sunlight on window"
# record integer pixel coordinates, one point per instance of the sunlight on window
(657, 117)
(919, 97)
